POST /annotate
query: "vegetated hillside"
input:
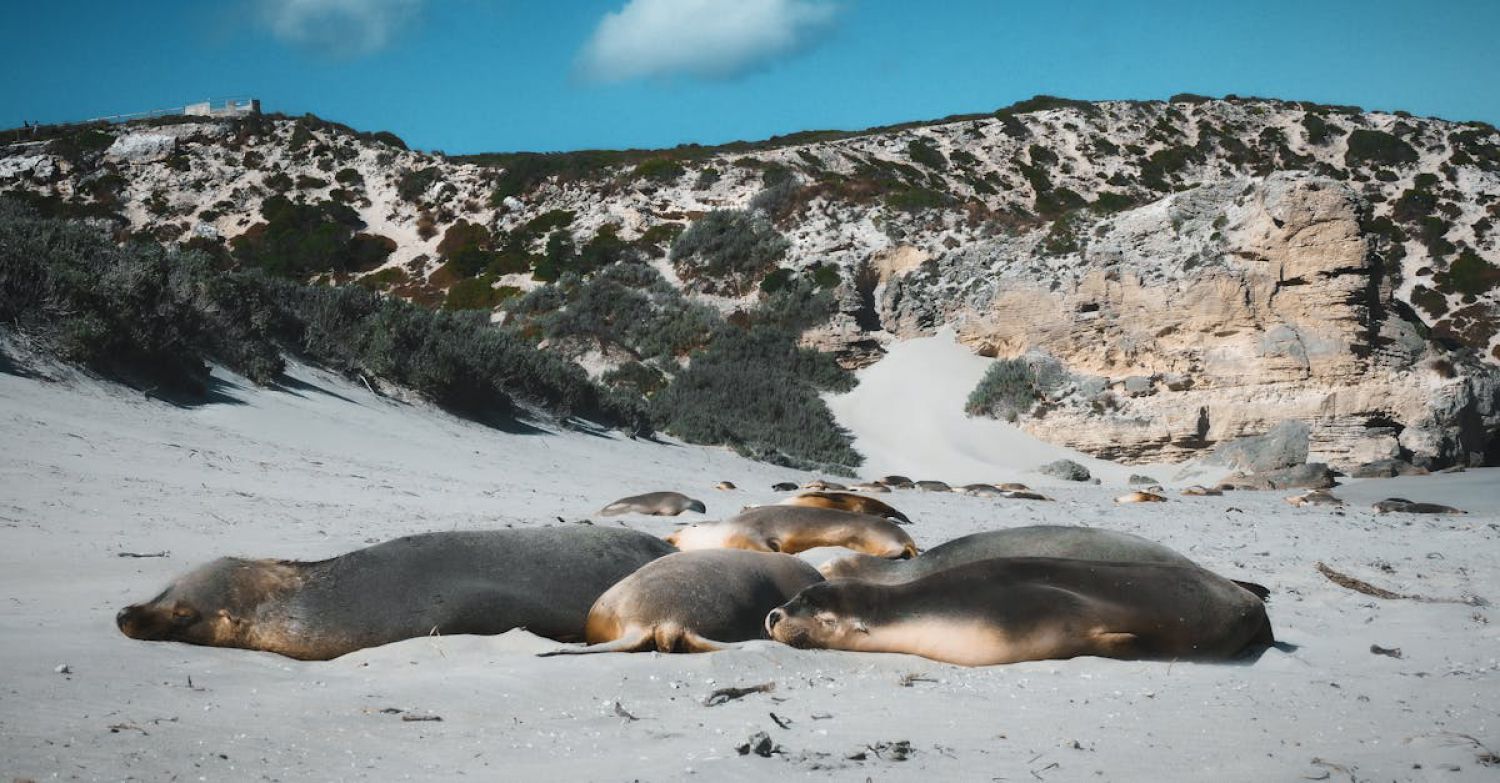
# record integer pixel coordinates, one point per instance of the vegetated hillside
(1315, 262)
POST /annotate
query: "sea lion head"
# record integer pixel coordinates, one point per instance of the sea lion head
(211, 605)
(708, 535)
(695, 505)
(824, 615)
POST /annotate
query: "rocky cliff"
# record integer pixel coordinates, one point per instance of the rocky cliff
(1197, 269)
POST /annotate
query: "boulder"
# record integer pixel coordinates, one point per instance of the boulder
(1386, 468)
(1283, 446)
(1313, 475)
(1065, 469)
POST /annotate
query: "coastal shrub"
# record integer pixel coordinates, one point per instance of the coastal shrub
(706, 178)
(661, 170)
(625, 307)
(728, 250)
(923, 152)
(412, 184)
(754, 389)
(155, 317)
(1378, 147)
(300, 238)
(1012, 388)
(1469, 275)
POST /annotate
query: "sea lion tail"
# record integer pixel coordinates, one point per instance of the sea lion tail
(1261, 591)
(901, 519)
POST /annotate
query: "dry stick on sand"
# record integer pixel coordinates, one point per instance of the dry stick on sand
(1361, 586)
(724, 695)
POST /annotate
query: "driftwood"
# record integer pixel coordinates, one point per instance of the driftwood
(1361, 586)
(724, 695)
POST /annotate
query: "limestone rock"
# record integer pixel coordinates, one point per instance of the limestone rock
(139, 148)
(1283, 446)
(1313, 475)
(1065, 469)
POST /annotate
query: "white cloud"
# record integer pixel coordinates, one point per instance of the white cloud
(710, 39)
(342, 28)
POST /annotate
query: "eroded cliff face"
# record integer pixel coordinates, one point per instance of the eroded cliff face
(1215, 313)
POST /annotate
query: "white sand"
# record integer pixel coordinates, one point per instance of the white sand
(89, 472)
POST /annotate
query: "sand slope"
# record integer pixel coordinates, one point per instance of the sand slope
(91, 472)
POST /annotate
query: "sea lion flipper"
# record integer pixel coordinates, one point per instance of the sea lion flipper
(635, 641)
(1261, 591)
(691, 642)
(1116, 644)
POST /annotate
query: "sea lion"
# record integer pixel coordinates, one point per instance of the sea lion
(725, 485)
(783, 486)
(933, 486)
(1077, 543)
(896, 482)
(694, 602)
(659, 504)
(461, 582)
(1022, 494)
(1404, 506)
(1200, 491)
(821, 485)
(1026, 609)
(845, 501)
(1140, 496)
(982, 490)
(793, 529)
(870, 486)
(1013, 486)
(1315, 497)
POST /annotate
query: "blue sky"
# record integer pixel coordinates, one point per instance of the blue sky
(493, 75)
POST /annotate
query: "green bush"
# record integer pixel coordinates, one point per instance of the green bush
(1012, 388)
(663, 170)
(412, 184)
(923, 152)
(728, 248)
(1469, 275)
(706, 178)
(1378, 147)
(626, 307)
(299, 239)
(916, 199)
(349, 177)
(475, 293)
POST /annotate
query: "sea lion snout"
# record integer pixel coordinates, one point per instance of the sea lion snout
(772, 619)
(139, 621)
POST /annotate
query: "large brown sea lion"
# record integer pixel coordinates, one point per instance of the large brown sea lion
(1023, 609)
(474, 582)
(793, 529)
(694, 602)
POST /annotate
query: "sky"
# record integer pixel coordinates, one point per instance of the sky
(466, 76)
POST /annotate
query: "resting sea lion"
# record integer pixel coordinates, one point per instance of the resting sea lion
(982, 490)
(472, 582)
(933, 486)
(793, 529)
(897, 482)
(784, 486)
(1140, 496)
(725, 485)
(845, 501)
(660, 504)
(1404, 506)
(1316, 497)
(694, 602)
(870, 486)
(820, 485)
(1078, 543)
(1198, 491)
(1027, 609)
(1013, 486)
(1022, 494)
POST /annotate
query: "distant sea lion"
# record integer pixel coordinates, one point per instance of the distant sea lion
(469, 582)
(694, 602)
(1140, 496)
(1198, 491)
(793, 529)
(1316, 497)
(896, 482)
(1026, 609)
(870, 486)
(933, 486)
(982, 490)
(1013, 486)
(846, 501)
(1023, 494)
(1078, 543)
(784, 486)
(820, 485)
(660, 504)
(1404, 506)
(725, 485)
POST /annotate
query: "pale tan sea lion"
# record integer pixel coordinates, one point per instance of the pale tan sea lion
(1315, 497)
(793, 529)
(845, 501)
(1140, 496)
(1024, 609)
(694, 602)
